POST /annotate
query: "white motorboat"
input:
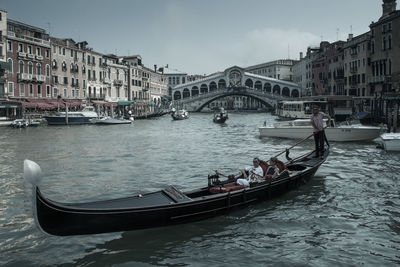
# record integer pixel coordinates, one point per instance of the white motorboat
(110, 121)
(302, 128)
(390, 141)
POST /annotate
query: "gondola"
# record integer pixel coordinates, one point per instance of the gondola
(221, 116)
(164, 207)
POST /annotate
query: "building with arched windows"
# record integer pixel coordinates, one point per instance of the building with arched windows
(28, 53)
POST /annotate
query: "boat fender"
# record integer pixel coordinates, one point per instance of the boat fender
(231, 176)
(32, 172)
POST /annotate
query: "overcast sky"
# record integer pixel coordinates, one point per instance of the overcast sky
(199, 36)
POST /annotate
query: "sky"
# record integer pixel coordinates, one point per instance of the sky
(199, 36)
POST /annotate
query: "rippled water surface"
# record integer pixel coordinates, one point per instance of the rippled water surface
(347, 215)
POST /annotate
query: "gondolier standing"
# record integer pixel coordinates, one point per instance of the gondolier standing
(319, 133)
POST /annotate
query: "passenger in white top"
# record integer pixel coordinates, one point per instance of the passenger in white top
(251, 174)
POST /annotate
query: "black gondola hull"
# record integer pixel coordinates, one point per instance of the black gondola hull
(167, 207)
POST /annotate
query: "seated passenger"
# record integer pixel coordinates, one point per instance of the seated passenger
(273, 169)
(251, 174)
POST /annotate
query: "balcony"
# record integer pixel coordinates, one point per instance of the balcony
(39, 57)
(353, 69)
(40, 78)
(21, 54)
(20, 37)
(107, 81)
(32, 56)
(96, 96)
(25, 77)
(376, 79)
(118, 82)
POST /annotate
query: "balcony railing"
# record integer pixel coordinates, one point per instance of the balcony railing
(32, 56)
(40, 78)
(376, 79)
(353, 69)
(25, 77)
(107, 81)
(21, 54)
(118, 82)
(39, 57)
(11, 34)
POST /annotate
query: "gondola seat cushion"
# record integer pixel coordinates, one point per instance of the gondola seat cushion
(225, 189)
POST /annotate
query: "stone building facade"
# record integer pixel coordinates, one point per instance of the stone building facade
(28, 53)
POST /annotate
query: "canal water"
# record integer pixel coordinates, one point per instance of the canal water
(347, 215)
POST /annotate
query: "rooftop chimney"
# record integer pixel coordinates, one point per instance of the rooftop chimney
(388, 7)
(155, 68)
(350, 37)
(301, 55)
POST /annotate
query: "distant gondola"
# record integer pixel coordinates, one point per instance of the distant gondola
(220, 117)
(161, 208)
(179, 114)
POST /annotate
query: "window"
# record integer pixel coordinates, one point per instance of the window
(63, 51)
(73, 92)
(11, 88)
(21, 89)
(47, 70)
(38, 52)
(72, 53)
(48, 90)
(30, 89)
(29, 49)
(65, 80)
(30, 68)
(65, 92)
(21, 66)
(39, 90)
(20, 48)
(47, 53)
(11, 65)
(55, 91)
(38, 69)
(9, 46)
(54, 49)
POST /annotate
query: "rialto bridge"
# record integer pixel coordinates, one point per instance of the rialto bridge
(196, 95)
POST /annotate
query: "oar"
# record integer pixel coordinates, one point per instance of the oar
(301, 141)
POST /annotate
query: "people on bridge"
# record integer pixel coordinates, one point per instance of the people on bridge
(317, 121)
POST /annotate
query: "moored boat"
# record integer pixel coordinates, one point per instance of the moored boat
(164, 207)
(389, 141)
(301, 128)
(72, 117)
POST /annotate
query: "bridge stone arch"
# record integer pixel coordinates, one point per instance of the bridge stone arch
(177, 95)
(258, 85)
(221, 84)
(185, 93)
(267, 87)
(295, 93)
(204, 88)
(249, 83)
(244, 93)
(212, 87)
(276, 89)
(195, 91)
(285, 91)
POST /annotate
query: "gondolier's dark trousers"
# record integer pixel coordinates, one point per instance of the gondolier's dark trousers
(319, 143)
